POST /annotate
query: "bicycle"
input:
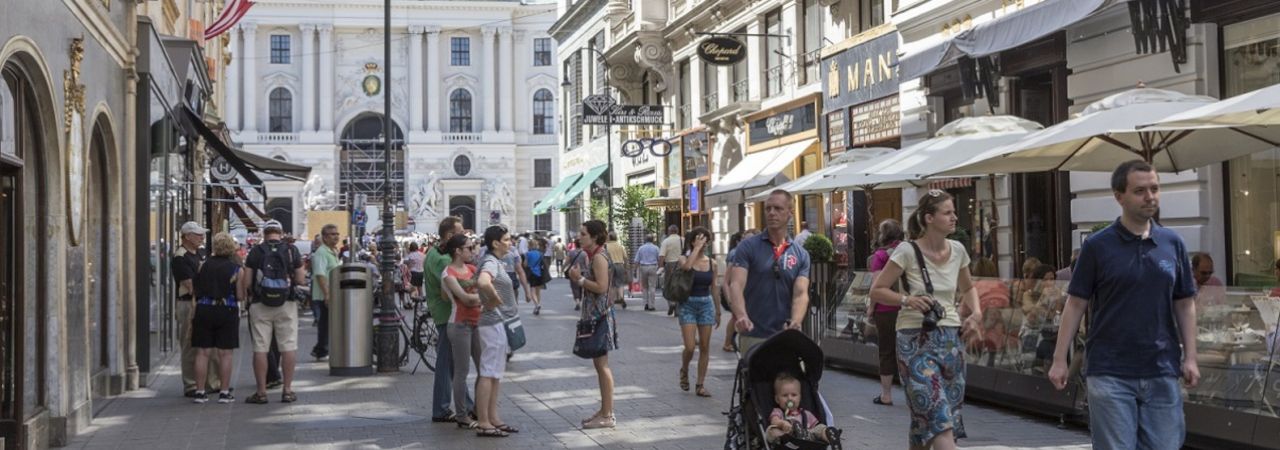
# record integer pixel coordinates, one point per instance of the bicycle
(420, 337)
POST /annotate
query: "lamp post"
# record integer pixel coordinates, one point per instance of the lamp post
(386, 334)
(608, 131)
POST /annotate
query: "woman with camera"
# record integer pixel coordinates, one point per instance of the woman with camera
(930, 353)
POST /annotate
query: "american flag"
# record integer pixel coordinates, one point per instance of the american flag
(231, 14)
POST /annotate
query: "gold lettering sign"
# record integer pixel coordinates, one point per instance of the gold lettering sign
(833, 79)
(864, 74)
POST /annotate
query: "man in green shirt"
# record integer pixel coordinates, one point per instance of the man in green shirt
(440, 309)
(324, 260)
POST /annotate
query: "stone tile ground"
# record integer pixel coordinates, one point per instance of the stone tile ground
(546, 392)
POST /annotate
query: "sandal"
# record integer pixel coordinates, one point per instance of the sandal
(468, 424)
(728, 348)
(684, 379)
(609, 421)
(257, 399)
(288, 397)
(881, 402)
(702, 392)
(491, 432)
(507, 428)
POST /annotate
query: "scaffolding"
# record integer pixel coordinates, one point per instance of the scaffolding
(361, 170)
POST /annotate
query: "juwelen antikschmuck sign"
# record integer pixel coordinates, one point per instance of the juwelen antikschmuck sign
(860, 74)
(722, 50)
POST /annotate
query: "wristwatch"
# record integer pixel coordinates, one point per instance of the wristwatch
(905, 297)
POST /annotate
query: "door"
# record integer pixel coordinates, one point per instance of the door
(11, 367)
(1041, 200)
(464, 206)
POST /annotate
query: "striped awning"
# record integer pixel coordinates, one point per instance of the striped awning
(951, 183)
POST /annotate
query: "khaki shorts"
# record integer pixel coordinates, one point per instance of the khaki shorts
(283, 320)
(493, 351)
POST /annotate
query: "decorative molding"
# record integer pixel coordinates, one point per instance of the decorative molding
(417, 29)
(73, 127)
(431, 29)
(307, 27)
(505, 31)
(100, 27)
(280, 78)
(652, 53)
(488, 32)
(249, 28)
(325, 28)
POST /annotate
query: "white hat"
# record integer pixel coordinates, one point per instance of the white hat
(193, 228)
(273, 224)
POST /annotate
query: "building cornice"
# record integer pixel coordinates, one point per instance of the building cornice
(574, 18)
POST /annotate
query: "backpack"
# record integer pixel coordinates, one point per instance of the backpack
(273, 282)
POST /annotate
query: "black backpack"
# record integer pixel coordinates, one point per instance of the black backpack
(273, 282)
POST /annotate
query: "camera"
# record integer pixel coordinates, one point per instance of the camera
(933, 315)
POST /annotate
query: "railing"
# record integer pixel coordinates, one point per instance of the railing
(277, 138)
(773, 80)
(741, 90)
(809, 64)
(542, 139)
(685, 120)
(710, 102)
(461, 138)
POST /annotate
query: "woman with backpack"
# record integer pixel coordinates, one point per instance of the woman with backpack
(701, 310)
(930, 352)
(888, 237)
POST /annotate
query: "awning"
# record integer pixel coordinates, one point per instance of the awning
(1008, 31)
(840, 163)
(547, 200)
(581, 185)
(663, 202)
(245, 162)
(239, 198)
(759, 169)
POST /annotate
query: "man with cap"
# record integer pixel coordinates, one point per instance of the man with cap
(186, 263)
(274, 269)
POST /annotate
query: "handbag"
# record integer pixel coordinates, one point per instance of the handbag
(678, 285)
(515, 333)
(592, 339)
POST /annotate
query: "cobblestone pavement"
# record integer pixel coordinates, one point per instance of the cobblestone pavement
(546, 392)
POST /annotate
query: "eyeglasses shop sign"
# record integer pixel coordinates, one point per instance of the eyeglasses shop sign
(722, 50)
(861, 74)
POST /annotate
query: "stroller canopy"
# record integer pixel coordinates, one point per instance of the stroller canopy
(789, 351)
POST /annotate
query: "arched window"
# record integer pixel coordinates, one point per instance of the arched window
(543, 112)
(460, 111)
(281, 111)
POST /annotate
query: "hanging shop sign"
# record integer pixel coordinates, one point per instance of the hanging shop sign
(221, 170)
(636, 147)
(602, 109)
(722, 50)
(875, 121)
(862, 73)
(786, 123)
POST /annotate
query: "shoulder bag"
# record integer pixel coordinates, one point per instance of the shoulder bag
(592, 337)
(678, 285)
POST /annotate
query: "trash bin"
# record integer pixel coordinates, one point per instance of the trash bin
(351, 320)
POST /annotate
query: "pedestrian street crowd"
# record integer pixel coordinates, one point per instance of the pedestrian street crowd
(925, 296)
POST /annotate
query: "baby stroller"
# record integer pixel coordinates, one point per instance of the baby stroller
(753, 396)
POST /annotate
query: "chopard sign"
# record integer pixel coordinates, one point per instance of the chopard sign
(722, 51)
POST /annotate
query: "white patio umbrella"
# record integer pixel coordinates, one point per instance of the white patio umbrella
(836, 164)
(955, 143)
(1106, 134)
(1257, 108)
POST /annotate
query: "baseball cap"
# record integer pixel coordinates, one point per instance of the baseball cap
(193, 228)
(273, 224)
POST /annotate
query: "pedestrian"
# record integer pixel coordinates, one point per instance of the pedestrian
(669, 254)
(323, 262)
(535, 269)
(775, 271)
(524, 243)
(646, 258)
(618, 266)
(1041, 306)
(888, 236)
(215, 320)
(513, 261)
(1133, 272)
(729, 333)
(440, 308)
(275, 268)
(186, 263)
(592, 273)
(701, 310)
(930, 352)
(415, 261)
(572, 255)
(498, 292)
(558, 252)
(459, 282)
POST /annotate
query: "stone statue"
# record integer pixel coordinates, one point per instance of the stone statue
(501, 198)
(425, 201)
(316, 195)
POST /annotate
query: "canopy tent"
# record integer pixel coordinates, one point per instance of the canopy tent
(544, 205)
(580, 185)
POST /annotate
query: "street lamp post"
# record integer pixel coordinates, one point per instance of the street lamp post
(387, 338)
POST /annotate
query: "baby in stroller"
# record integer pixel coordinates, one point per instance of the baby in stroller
(788, 418)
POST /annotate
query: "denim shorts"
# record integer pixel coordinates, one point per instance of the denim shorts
(698, 311)
(1127, 413)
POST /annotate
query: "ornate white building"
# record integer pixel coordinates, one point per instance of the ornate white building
(473, 89)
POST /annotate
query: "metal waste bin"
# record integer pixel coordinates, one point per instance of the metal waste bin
(351, 320)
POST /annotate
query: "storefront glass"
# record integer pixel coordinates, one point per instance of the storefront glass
(169, 205)
(1251, 55)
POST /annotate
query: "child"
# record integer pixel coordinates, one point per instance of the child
(789, 418)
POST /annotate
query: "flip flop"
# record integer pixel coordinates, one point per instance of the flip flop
(491, 432)
(507, 428)
(880, 402)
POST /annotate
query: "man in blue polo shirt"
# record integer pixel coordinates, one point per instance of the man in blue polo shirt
(775, 270)
(1135, 279)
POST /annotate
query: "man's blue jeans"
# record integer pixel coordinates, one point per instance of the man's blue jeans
(442, 389)
(1136, 413)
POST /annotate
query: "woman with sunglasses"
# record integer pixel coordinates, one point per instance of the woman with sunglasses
(930, 353)
(701, 310)
(459, 286)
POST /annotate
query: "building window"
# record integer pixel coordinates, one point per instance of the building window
(738, 76)
(543, 112)
(773, 52)
(279, 49)
(542, 52)
(462, 165)
(872, 13)
(281, 111)
(812, 40)
(542, 173)
(542, 222)
(1251, 53)
(710, 87)
(460, 111)
(460, 48)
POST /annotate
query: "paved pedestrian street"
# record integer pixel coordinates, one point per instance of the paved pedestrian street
(546, 392)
